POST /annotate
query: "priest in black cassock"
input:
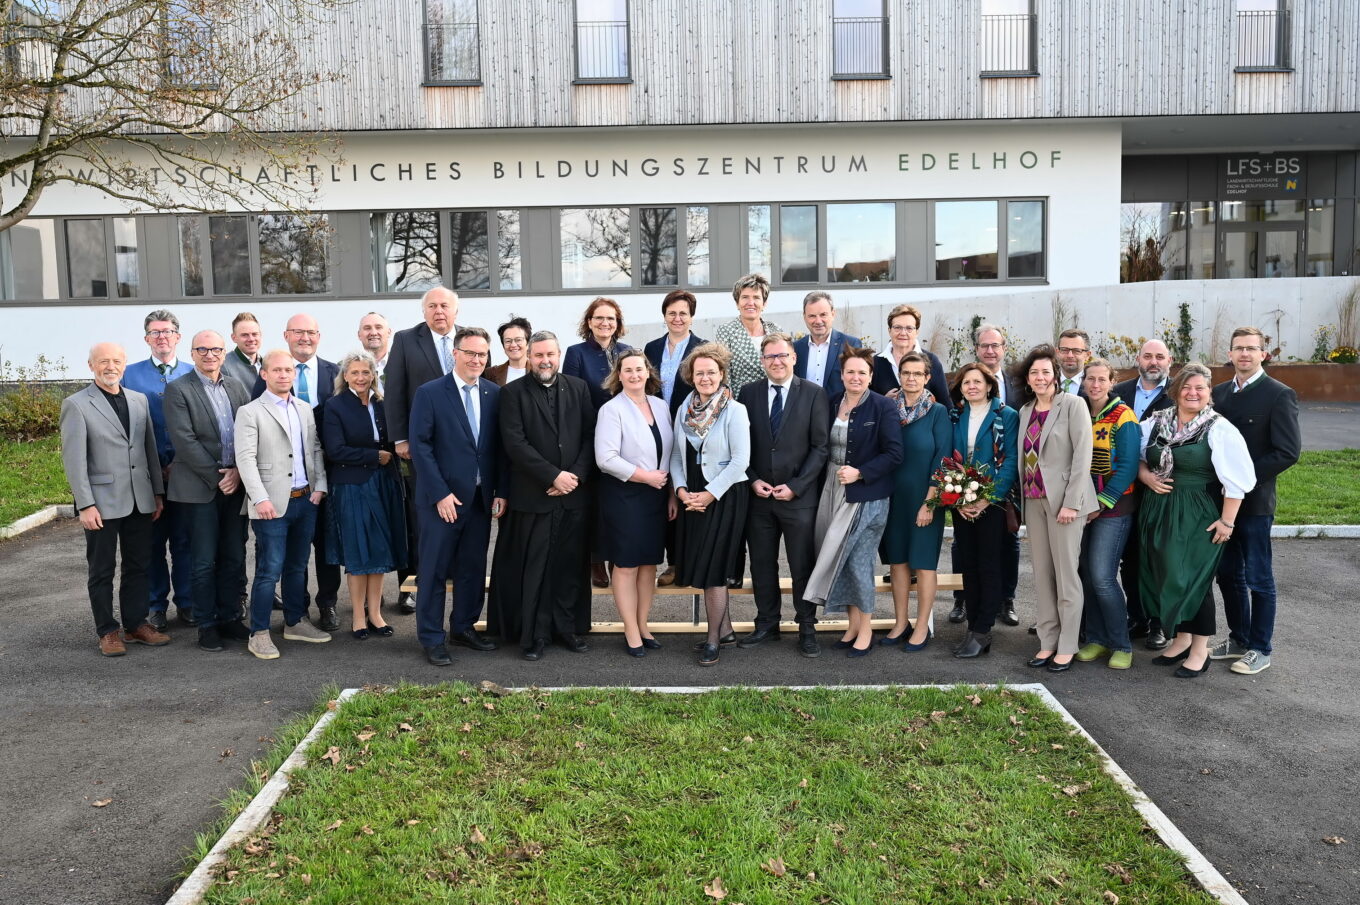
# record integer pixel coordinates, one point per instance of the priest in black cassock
(540, 584)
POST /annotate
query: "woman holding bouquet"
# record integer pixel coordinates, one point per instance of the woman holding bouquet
(865, 450)
(984, 436)
(1055, 482)
(911, 541)
(1185, 520)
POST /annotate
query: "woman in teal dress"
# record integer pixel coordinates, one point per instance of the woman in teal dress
(1189, 452)
(911, 542)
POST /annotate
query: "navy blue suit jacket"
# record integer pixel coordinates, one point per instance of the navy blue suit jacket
(589, 362)
(886, 379)
(654, 350)
(832, 377)
(347, 439)
(873, 445)
(446, 458)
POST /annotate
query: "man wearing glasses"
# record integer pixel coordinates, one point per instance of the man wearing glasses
(819, 353)
(200, 414)
(169, 540)
(1074, 349)
(1267, 413)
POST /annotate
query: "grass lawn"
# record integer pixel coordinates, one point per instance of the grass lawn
(1322, 489)
(444, 794)
(30, 477)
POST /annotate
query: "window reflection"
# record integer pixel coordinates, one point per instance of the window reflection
(87, 265)
(657, 246)
(696, 245)
(1152, 241)
(190, 255)
(965, 240)
(125, 257)
(758, 239)
(861, 242)
(1321, 217)
(798, 243)
(469, 250)
(507, 245)
(230, 248)
(1024, 239)
(596, 247)
(32, 252)
(405, 251)
(293, 254)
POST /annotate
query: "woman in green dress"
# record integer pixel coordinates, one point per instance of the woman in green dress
(1189, 452)
(912, 540)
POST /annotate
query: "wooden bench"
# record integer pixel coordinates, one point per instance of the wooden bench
(948, 581)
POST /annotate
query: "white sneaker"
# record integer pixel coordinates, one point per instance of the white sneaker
(262, 646)
(305, 631)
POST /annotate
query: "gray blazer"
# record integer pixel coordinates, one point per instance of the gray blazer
(623, 440)
(264, 452)
(192, 426)
(726, 452)
(244, 373)
(1064, 453)
(106, 466)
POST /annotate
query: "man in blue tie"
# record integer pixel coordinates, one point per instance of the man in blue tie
(455, 448)
(170, 556)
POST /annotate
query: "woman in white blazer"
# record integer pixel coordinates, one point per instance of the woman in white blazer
(708, 469)
(633, 451)
(1055, 483)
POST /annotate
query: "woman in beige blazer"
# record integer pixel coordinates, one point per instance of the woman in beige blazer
(1055, 484)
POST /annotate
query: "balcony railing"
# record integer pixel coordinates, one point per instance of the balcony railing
(1008, 44)
(452, 54)
(602, 51)
(859, 47)
(1262, 40)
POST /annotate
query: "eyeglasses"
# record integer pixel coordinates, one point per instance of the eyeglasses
(312, 333)
(1062, 351)
(157, 334)
(914, 375)
(775, 356)
(600, 319)
(988, 347)
(1246, 348)
(898, 328)
(680, 315)
(205, 351)
(475, 356)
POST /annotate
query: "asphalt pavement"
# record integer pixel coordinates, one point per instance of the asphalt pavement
(1330, 425)
(1256, 771)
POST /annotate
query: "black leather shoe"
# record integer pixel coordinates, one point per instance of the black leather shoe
(186, 616)
(1039, 662)
(1156, 639)
(638, 651)
(535, 652)
(575, 643)
(1164, 660)
(1138, 630)
(1055, 666)
(382, 631)
(156, 619)
(1008, 615)
(974, 645)
(758, 637)
(234, 631)
(406, 603)
(957, 615)
(209, 639)
(327, 622)
(808, 646)
(651, 644)
(709, 655)
(439, 655)
(725, 641)
(1185, 672)
(472, 639)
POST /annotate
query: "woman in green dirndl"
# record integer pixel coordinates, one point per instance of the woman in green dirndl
(1197, 467)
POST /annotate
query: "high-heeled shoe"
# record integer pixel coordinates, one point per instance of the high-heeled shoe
(382, 631)
(858, 651)
(1164, 660)
(889, 640)
(360, 634)
(975, 645)
(639, 651)
(843, 644)
(908, 647)
(653, 644)
(1185, 672)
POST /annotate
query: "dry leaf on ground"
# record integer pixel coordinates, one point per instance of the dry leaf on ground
(715, 890)
(476, 838)
(1110, 897)
(975, 700)
(101, 803)
(336, 825)
(333, 755)
(1334, 840)
(405, 727)
(365, 735)
(775, 866)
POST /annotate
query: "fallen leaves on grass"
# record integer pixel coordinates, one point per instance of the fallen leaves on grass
(1110, 897)
(101, 803)
(406, 727)
(775, 866)
(366, 830)
(975, 700)
(1073, 791)
(488, 687)
(488, 705)
(477, 838)
(365, 735)
(333, 755)
(715, 889)
(1121, 872)
(335, 826)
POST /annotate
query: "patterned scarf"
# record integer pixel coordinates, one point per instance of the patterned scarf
(1166, 427)
(699, 419)
(907, 414)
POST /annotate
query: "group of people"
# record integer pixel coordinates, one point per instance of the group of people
(675, 464)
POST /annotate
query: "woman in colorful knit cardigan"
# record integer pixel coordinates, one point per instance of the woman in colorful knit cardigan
(1114, 466)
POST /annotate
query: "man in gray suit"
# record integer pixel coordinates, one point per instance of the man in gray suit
(108, 450)
(200, 414)
(243, 361)
(278, 454)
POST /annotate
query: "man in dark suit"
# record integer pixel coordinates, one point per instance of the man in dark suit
(790, 426)
(818, 354)
(1145, 394)
(243, 361)
(455, 447)
(418, 355)
(200, 414)
(108, 451)
(539, 584)
(1267, 413)
(313, 383)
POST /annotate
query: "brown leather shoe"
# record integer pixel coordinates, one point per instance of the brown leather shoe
(666, 578)
(599, 575)
(145, 634)
(111, 645)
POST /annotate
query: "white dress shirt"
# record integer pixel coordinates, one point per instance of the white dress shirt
(816, 363)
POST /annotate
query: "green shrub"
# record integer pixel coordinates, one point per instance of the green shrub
(29, 412)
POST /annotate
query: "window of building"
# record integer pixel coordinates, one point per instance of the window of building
(1262, 35)
(1321, 223)
(1024, 239)
(758, 257)
(405, 248)
(508, 249)
(229, 244)
(188, 50)
(596, 247)
(602, 41)
(859, 39)
(469, 250)
(87, 266)
(966, 240)
(861, 242)
(126, 260)
(1009, 38)
(696, 246)
(28, 260)
(452, 43)
(293, 253)
(1153, 241)
(798, 243)
(190, 255)
(658, 246)
(1200, 255)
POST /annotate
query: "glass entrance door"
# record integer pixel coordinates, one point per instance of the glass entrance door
(1254, 251)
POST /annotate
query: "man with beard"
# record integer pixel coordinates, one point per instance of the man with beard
(1145, 394)
(539, 583)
